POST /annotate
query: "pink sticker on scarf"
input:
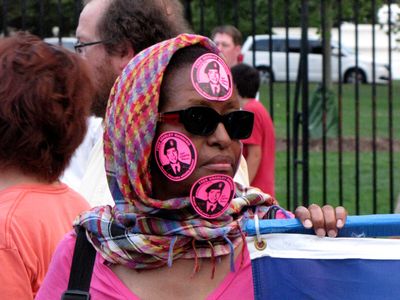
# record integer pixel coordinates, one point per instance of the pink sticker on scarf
(211, 77)
(210, 196)
(175, 155)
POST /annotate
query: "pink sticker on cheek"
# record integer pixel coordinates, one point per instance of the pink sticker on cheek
(210, 196)
(212, 78)
(175, 155)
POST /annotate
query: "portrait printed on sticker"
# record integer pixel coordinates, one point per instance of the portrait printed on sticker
(175, 155)
(211, 195)
(211, 77)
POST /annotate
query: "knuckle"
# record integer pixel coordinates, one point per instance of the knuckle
(340, 209)
(327, 209)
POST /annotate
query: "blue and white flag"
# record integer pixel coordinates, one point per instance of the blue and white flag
(303, 266)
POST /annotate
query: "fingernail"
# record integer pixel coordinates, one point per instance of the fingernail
(307, 223)
(321, 232)
(332, 233)
(339, 223)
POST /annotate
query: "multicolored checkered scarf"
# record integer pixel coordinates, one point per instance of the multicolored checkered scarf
(141, 232)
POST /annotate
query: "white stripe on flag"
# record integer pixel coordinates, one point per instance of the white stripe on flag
(310, 246)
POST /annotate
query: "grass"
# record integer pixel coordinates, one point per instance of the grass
(348, 181)
(366, 206)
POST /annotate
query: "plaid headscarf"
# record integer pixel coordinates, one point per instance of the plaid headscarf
(141, 232)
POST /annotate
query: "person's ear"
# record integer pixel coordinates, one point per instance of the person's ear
(125, 54)
(238, 49)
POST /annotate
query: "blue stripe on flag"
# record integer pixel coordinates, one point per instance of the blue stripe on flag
(367, 225)
(353, 279)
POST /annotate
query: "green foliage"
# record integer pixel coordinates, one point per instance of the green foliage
(223, 12)
(39, 17)
(348, 180)
(236, 12)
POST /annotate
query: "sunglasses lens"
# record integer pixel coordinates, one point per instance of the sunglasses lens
(239, 124)
(200, 120)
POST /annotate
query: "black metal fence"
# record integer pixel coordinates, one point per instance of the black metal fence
(359, 164)
(40, 16)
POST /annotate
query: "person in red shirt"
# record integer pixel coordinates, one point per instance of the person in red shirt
(259, 148)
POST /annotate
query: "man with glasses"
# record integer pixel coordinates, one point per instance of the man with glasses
(229, 41)
(109, 34)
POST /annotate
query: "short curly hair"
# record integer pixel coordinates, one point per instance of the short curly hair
(141, 23)
(45, 99)
(246, 79)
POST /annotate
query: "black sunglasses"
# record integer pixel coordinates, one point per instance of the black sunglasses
(202, 120)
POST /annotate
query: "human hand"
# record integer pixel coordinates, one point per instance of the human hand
(325, 220)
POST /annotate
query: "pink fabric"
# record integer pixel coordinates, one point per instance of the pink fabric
(264, 136)
(105, 285)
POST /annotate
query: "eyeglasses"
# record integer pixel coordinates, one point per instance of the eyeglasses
(78, 46)
(202, 120)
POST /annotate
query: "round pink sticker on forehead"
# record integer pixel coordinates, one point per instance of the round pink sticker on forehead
(212, 78)
(210, 196)
(175, 155)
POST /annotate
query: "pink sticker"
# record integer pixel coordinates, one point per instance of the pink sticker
(212, 78)
(210, 196)
(176, 155)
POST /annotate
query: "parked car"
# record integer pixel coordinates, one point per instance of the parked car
(67, 42)
(277, 71)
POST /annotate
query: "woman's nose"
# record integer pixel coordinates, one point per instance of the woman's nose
(220, 137)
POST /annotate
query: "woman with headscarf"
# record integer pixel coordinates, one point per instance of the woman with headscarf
(156, 242)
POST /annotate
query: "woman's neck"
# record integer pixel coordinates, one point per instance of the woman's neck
(11, 177)
(243, 101)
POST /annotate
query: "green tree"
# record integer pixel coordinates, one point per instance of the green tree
(39, 17)
(257, 16)
(224, 12)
